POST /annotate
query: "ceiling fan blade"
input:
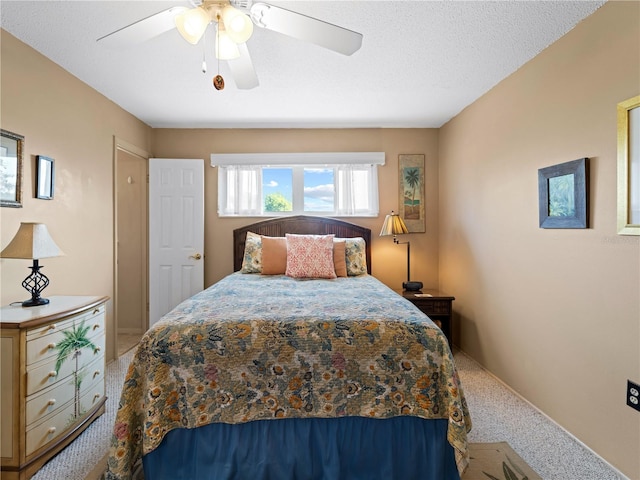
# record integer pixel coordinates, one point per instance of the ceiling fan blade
(242, 69)
(306, 28)
(143, 30)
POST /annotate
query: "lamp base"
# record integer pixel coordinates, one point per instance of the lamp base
(412, 286)
(34, 302)
(35, 283)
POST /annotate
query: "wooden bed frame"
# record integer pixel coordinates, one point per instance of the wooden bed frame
(300, 224)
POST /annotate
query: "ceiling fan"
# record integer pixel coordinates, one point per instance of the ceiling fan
(234, 21)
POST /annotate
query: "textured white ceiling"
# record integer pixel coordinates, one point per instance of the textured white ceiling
(421, 62)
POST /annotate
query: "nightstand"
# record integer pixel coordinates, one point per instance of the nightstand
(436, 305)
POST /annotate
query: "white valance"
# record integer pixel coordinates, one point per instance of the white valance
(307, 158)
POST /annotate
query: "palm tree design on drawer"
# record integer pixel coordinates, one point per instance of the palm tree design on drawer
(75, 340)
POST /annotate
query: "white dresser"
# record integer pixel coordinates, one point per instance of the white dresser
(52, 381)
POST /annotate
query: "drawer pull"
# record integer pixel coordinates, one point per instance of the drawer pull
(96, 326)
(96, 396)
(96, 350)
(96, 373)
(51, 430)
(96, 310)
(51, 346)
(53, 373)
(52, 327)
(51, 402)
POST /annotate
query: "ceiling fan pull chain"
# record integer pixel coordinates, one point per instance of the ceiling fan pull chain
(204, 49)
(218, 81)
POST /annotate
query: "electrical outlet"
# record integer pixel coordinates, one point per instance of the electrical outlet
(633, 395)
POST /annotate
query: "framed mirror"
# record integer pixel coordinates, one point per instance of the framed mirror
(629, 166)
(11, 147)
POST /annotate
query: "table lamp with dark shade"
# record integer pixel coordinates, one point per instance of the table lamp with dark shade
(394, 225)
(33, 242)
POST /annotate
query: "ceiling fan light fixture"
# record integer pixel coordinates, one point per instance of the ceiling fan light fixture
(226, 48)
(192, 24)
(238, 26)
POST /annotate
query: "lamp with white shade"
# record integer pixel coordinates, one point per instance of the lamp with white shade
(394, 225)
(33, 242)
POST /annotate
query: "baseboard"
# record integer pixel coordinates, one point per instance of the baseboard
(517, 394)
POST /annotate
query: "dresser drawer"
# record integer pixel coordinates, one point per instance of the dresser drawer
(92, 396)
(51, 327)
(49, 401)
(52, 426)
(54, 398)
(42, 342)
(48, 329)
(43, 374)
(43, 433)
(45, 346)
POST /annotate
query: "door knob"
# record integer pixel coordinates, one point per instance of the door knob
(197, 256)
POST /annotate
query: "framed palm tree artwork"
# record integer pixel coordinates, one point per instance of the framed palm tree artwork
(411, 192)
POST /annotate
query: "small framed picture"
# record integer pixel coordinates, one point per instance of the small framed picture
(45, 175)
(563, 195)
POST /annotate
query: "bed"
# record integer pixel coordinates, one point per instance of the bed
(271, 375)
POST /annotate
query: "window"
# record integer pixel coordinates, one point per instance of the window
(277, 189)
(338, 184)
(317, 189)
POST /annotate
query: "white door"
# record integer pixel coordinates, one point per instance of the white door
(176, 233)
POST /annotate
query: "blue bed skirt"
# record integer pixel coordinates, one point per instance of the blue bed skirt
(352, 448)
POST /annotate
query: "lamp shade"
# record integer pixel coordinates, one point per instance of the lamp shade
(32, 241)
(239, 26)
(393, 225)
(192, 24)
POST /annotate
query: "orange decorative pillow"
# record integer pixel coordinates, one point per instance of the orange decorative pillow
(339, 257)
(274, 255)
(310, 256)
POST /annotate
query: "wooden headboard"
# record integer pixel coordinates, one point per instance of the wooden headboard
(300, 224)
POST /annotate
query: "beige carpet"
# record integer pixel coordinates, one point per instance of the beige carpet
(497, 461)
(488, 461)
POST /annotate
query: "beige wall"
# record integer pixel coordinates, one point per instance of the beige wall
(63, 118)
(388, 260)
(553, 313)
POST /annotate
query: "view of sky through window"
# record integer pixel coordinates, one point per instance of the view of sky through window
(278, 180)
(319, 190)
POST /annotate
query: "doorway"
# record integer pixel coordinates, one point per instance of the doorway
(131, 234)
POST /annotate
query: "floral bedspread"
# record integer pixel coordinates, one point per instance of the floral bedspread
(257, 347)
